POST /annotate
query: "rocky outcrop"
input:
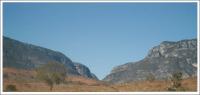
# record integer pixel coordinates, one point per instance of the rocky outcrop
(84, 71)
(161, 62)
(26, 56)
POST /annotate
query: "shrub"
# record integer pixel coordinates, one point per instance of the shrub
(176, 79)
(11, 87)
(5, 75)
(176, 82)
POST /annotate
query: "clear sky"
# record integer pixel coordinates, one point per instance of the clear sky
(100, 35)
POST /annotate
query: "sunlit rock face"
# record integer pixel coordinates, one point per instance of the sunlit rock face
(84, 71)
(161, 61)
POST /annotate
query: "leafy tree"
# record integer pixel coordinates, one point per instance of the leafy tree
(52, 73)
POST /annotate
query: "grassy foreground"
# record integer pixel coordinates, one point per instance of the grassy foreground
(24, 81)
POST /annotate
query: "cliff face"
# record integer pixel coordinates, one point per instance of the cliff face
(161, 62)
(84, 71)
(26, 56)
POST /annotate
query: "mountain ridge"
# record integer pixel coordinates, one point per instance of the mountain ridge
(27, 56)
(161, 61)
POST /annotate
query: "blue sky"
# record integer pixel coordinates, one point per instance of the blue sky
(100, 35)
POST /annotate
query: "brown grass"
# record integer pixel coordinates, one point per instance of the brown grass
(82, 80)
(20, 78)
(189, 84)
(71, 87)
(25, 81)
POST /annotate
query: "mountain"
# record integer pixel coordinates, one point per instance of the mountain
(26, 56)
(161, 61)
(84, 71)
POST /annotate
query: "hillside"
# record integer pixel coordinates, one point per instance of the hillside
(21, 55)
(161, 62)
(21, 59)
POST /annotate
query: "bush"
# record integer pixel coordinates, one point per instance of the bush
(5, 75)
(176, 82)
(171, 89)
(176, 79)
(11, 87)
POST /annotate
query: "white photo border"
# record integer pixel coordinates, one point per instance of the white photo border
(113, 93)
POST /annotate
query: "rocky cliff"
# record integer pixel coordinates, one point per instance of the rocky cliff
(84, 71)
(26, 56)
(161, 62)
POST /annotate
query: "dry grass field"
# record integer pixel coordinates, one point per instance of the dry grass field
(189, 84)
(25, 81)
